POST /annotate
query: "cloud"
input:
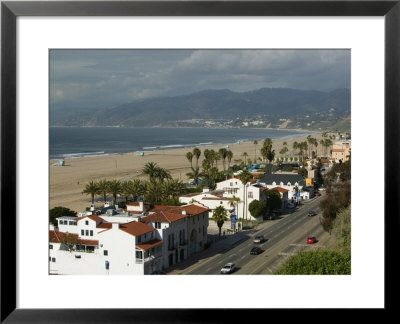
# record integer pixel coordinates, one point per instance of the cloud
(100, 78)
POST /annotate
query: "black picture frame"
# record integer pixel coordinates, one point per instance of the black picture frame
(10, 10)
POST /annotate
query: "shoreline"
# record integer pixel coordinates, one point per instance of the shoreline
(301, 133)
(67, 182)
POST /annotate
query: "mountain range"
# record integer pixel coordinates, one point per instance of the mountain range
(267, 103)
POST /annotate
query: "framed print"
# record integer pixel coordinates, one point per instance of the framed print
(37, 35)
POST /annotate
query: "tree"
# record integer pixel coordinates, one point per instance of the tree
(150, 169)
(103, 188)
(59, 211)
(244, 177)
(114, 188)
(68, 240)
(189, 156)
(255, 150)
(91, 189)
(222, 154)
(270, 155)
(220, 216)
(257, 208)
(274, 200)
(245, 155)
(196, 154)
(229, 156)
(195, 175)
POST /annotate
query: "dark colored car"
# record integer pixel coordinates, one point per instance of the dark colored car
(256, 250)
(312, 213)
(311, 240)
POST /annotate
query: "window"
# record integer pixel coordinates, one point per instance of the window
(49, 259)
(91, 233)
(250, 195)
(50, 247)
(87, 233)
(106, 252)
(86, 222)
(82, 232)
(139, 239)
(53, 259)
(157, 225)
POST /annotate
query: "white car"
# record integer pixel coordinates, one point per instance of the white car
(228, 268)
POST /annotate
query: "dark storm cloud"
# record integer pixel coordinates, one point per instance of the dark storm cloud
(101, 78)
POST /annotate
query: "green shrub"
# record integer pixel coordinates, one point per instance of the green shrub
(325, 262)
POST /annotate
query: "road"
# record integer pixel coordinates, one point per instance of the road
(285, 237)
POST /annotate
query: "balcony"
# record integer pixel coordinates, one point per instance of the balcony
(182, 242)
(148, 259)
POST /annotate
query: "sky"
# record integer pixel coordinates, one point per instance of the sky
(96, 79)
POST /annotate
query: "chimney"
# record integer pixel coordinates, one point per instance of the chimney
(183, 212)
(141, 206)
(115, 226)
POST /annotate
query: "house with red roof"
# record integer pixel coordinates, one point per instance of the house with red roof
(92, 245)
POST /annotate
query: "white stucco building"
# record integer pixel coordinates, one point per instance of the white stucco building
(138, 242)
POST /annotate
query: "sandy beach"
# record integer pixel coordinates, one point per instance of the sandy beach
(68, 181)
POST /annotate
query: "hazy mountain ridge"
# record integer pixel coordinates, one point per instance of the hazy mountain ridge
(274, 103)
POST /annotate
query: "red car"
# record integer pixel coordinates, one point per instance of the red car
(312, 213)
(311, 239)
(317, 194)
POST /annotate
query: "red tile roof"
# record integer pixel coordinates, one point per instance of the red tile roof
(163, 217)
(149, 244)
(57, 237)
(190, 209)
(92, 217)
(280, 189)
(136, 228)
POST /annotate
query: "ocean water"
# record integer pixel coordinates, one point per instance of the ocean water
(73, 142)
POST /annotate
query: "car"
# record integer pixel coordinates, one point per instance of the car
(317, 194)
(312, 213)
(228, 268)
(321, 188)
(258, 239)
(255, 250)
(311, 239)
(290, 205)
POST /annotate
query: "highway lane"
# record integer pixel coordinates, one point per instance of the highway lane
(291, 229)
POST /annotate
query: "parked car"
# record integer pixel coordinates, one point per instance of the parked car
(312, 213)
(258, 239)
(228, 268)
(255, 250)
(317, 194)
(311, 239)
(290, 205)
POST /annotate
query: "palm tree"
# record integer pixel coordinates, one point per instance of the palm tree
(222, 154)
(196, 154)
(161, 174)
(125, 192)
(229, 156)
(91, 189)
(220, 216)
(270, 155)
(245, 155)
(195, 175)
(154, 191)
(103, 188)
(295, 147)
(244, 177)
(310, 142)
(172, 188)
(255, 150)
(150, 169)
(234, 202)
(189, 156)
(114, 188)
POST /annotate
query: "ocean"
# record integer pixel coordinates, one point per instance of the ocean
(74, 142)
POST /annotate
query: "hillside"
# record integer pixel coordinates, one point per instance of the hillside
(272, 105)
